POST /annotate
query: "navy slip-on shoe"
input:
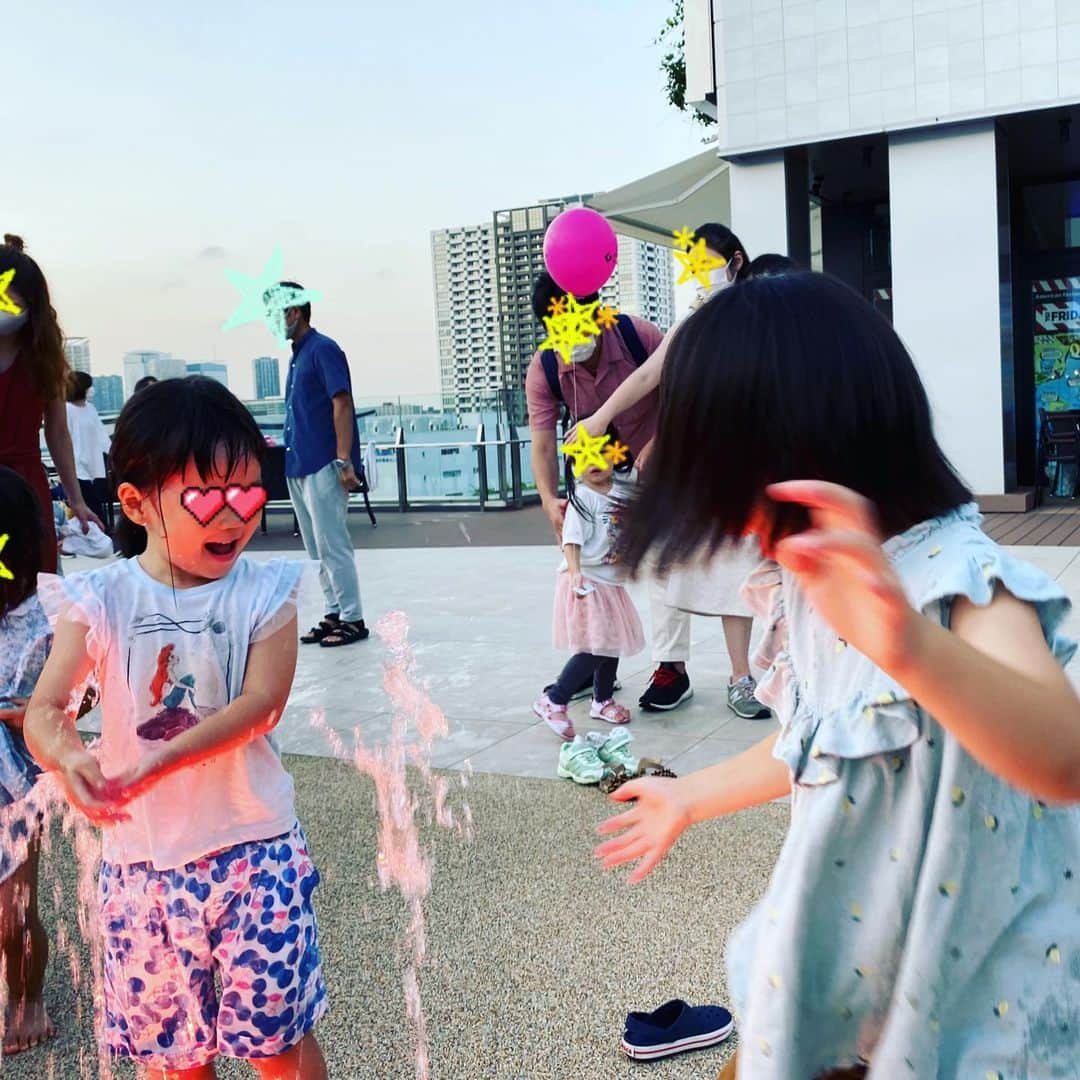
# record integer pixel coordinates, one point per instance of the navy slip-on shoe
(675, 1028)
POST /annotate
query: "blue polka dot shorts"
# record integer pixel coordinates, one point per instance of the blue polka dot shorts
(244, 915)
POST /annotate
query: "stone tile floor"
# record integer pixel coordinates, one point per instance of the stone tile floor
(480, 629)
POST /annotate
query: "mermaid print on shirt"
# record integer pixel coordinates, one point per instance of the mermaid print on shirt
(177, 671)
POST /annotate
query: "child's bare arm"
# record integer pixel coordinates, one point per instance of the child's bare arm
(14, 713)
(994, 684)
(50, 732)
(749, 779)
(630, 391)
(664, 808)
(572, 554)
(254, 712)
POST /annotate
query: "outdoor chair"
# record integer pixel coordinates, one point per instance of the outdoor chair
(277, 490)
(1059, 445)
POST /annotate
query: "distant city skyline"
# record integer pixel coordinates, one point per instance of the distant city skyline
(181, 177)
(77, 351)
(210, 370)
(267, 375)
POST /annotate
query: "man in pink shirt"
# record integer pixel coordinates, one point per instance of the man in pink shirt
(596, 370)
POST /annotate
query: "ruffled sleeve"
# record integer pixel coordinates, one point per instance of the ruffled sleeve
(833, 724)
(276, 588)
(832, 702)
(975, 572)
(77, 599)
(771, 661)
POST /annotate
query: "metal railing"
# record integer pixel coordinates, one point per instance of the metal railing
(501, 482)
(499, 476)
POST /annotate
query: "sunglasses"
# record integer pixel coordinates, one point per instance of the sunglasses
(204, 504)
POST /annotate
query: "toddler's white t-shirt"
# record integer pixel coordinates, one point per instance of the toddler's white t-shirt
(596, 534)
(164, 661)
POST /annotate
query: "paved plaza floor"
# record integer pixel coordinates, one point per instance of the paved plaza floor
(480, 629)
(534, 953)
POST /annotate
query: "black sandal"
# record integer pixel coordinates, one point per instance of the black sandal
(344, 633)
(317, 633)
(618, 776)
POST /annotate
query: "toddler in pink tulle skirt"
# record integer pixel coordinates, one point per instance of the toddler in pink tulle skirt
(595, 618)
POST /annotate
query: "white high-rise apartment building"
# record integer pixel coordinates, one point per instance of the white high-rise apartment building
(77, 351)
(161, 365)
(483, 295)
(467, 316)
(642, 284)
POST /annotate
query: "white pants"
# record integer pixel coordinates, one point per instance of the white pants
(670, 626)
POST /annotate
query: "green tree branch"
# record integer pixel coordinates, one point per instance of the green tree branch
(673, 65)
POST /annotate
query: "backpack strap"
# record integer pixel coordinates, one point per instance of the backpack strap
(630, 338)
(549, 361)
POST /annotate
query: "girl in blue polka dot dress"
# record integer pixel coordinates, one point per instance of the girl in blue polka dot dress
(922, 918)
(206, 873)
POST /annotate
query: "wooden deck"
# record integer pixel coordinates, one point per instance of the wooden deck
(1053, 525)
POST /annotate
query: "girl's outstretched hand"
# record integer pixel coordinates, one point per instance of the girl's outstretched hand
(840, 565)
(88, 790)
(648, 829)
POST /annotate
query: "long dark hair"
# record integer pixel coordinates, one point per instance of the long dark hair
(40, 341)
(20, 519)
(170, 423)
(723, 241)
(785, 378)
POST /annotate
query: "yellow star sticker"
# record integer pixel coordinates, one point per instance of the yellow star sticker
(607, 317)
(697, 263)
(4, 571)
(577, 326)
(6, 303)
(585, 450)
(616, 452)
(684, 238)
(557, 306)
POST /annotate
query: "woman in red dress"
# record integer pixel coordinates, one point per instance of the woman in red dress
(33, 389)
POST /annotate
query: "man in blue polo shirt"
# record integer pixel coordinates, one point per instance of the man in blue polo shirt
(322, 463)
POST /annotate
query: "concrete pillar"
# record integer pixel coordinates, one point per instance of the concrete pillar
(943, 209)
(759, 203)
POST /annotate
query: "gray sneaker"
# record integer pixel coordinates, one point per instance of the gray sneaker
(742, 702)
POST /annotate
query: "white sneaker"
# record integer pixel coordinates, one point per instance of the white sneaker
(554, 716)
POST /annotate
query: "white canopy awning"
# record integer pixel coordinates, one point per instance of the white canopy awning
(683, 195)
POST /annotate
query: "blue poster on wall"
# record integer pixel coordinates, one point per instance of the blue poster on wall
(1056, 310)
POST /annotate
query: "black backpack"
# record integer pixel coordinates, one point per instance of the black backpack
(549, 361)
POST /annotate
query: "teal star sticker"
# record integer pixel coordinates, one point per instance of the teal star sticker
(265, 299)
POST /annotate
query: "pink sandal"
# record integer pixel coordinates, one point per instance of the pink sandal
(555, 717)
(609, 710)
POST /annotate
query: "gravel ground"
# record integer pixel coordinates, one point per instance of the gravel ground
(534, 954)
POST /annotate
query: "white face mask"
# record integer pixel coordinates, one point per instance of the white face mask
(718, 280)
(582, 353)
(90, 394)
(12, 324)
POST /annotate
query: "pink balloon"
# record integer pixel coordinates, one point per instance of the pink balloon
(580, 251)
